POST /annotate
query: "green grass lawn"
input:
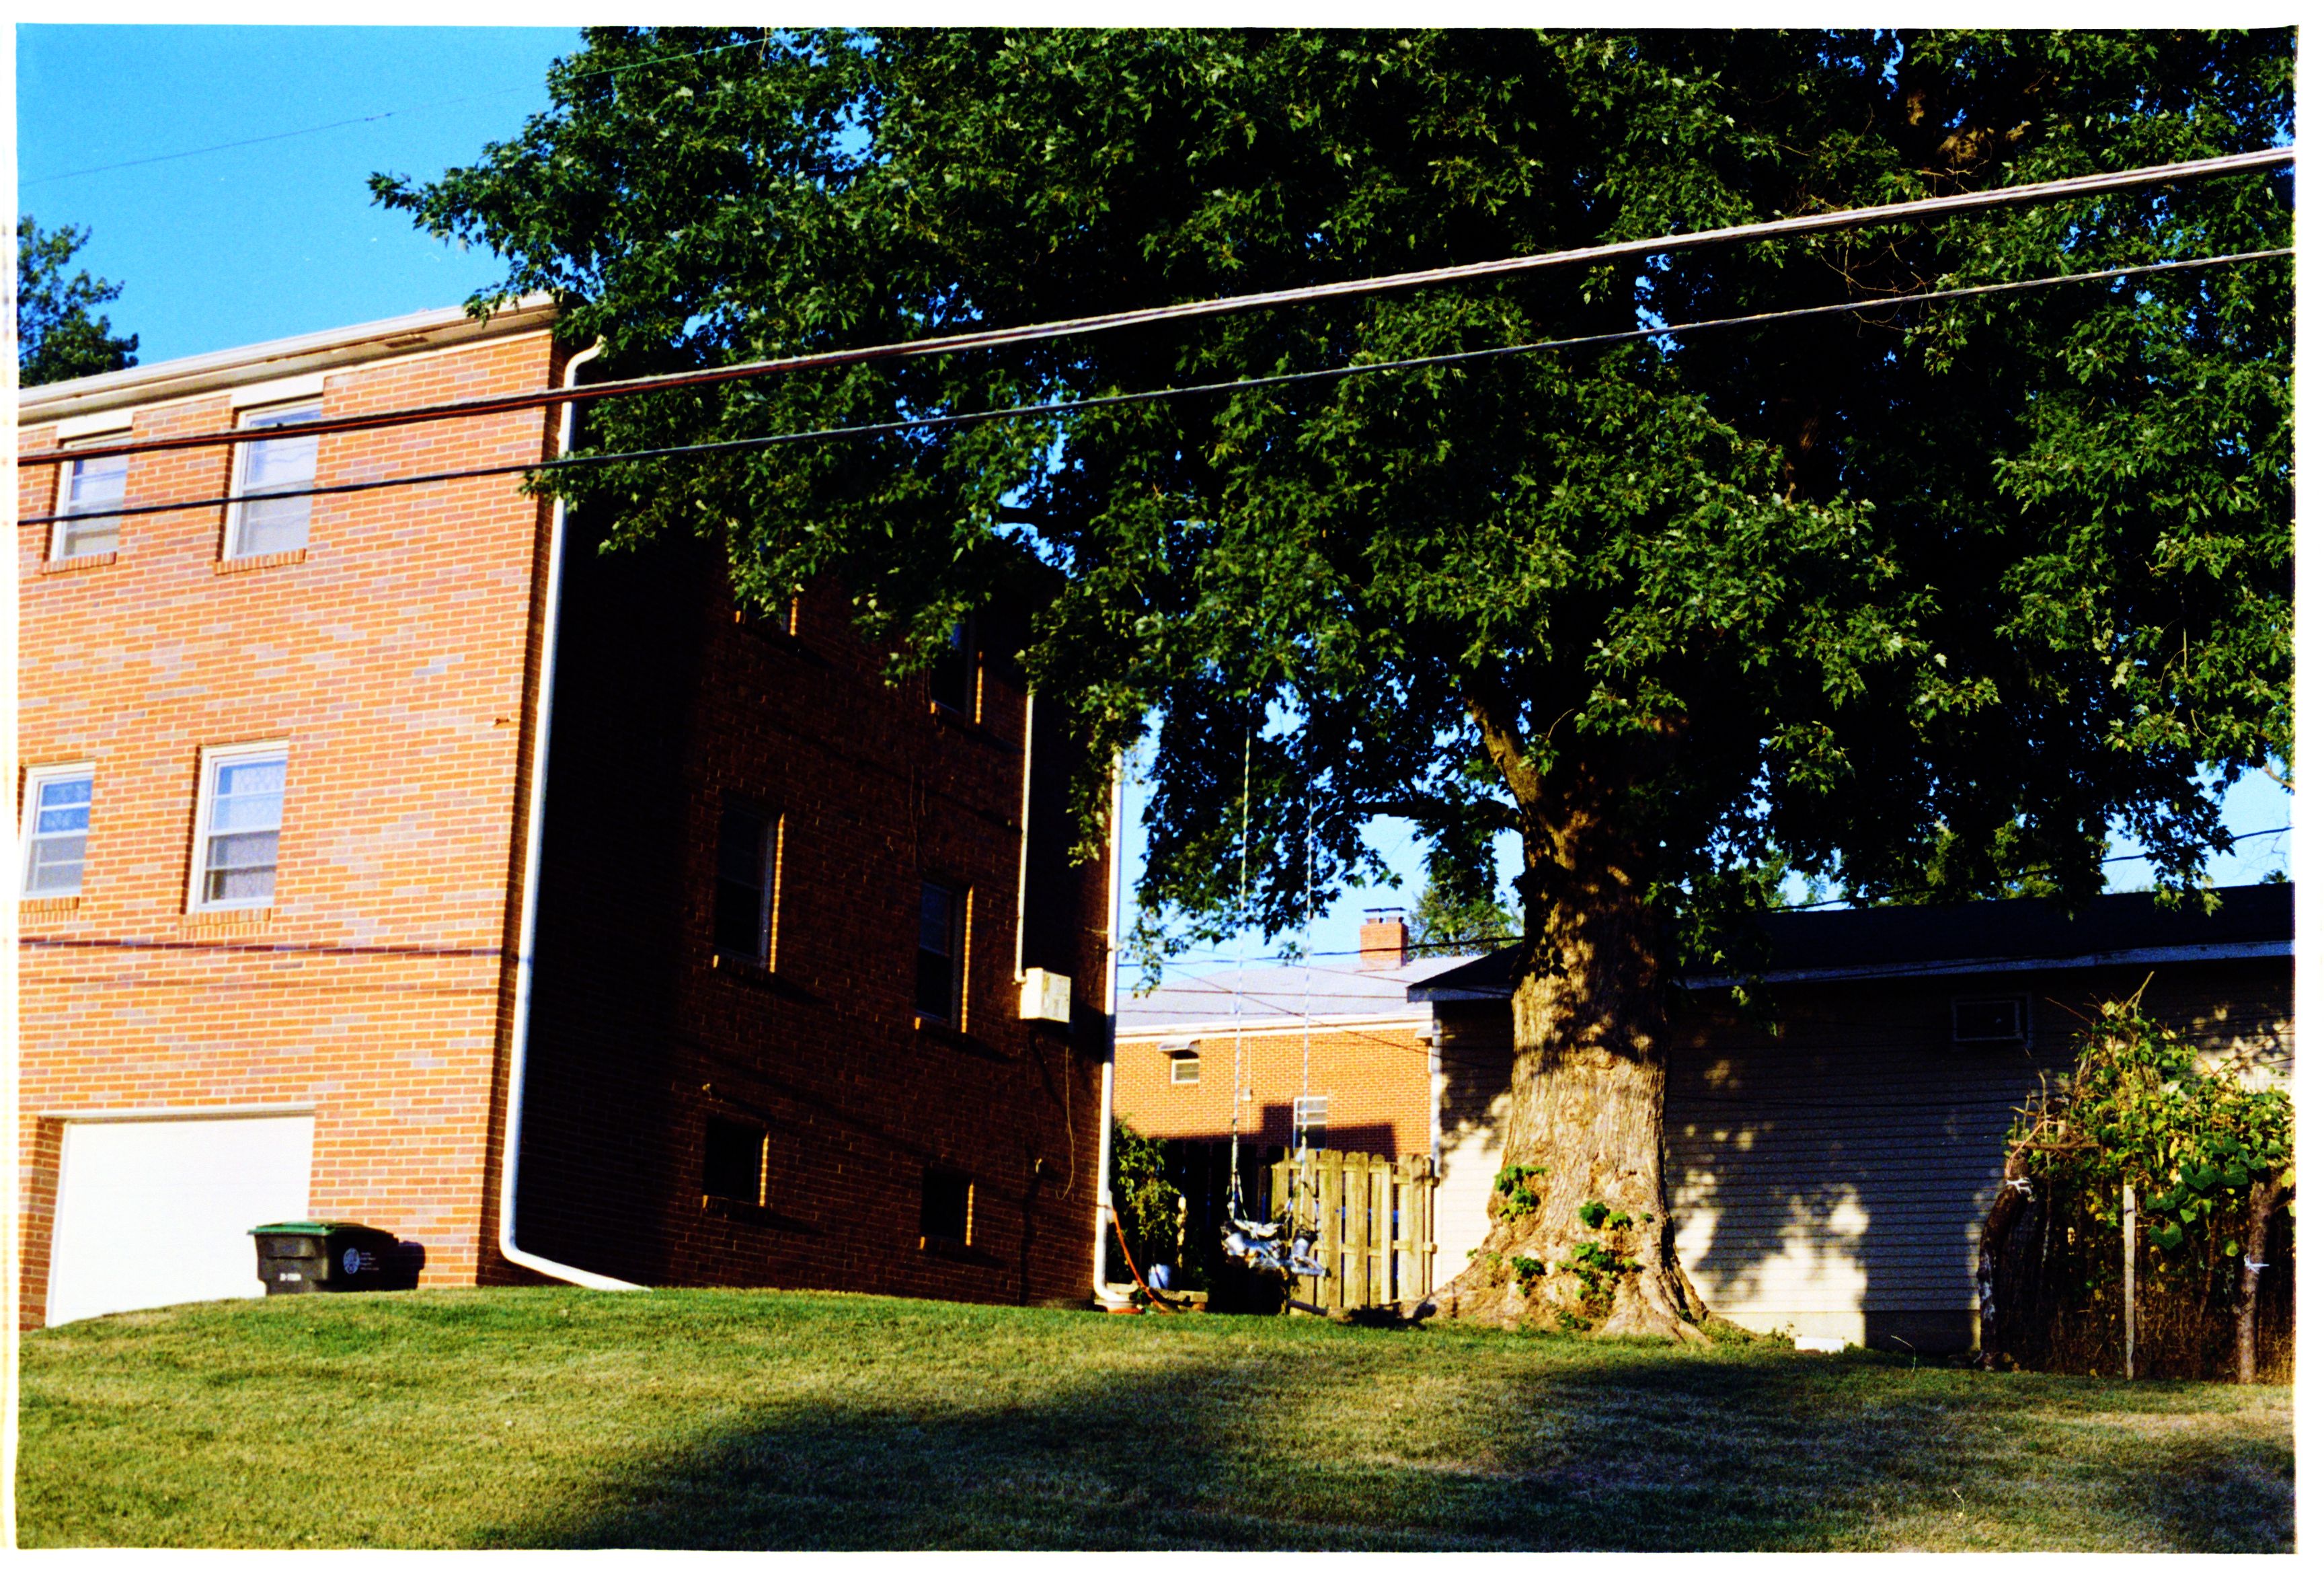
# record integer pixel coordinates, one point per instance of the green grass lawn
(726, 1419)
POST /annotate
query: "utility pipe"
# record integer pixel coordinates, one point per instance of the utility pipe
(1024, 831)
(1105, 1070)
(528, 922)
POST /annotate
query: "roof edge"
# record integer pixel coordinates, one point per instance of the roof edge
(442, 327)
(2147, 956)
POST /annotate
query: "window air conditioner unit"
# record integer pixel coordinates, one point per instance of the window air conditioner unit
(1046, 996)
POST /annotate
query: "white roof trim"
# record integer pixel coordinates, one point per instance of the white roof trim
(306, 354)
(2159, 954)
(1265, 1026)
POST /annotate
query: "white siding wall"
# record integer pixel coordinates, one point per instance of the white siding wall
(1832, 1179)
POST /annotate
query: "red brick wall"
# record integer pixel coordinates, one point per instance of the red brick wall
(391, 658)
(1376, 1076)
(666, 708)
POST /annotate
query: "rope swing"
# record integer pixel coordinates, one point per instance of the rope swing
(1281, 1246)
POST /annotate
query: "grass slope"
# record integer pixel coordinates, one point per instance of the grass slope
(724, 1420)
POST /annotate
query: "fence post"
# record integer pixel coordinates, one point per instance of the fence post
(2129, 1280)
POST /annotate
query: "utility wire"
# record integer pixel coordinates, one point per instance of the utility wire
(1068, 406)
(365, 119)
(1191, 310)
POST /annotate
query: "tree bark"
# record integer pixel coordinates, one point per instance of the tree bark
(1585, 1128)
(2266, 1195)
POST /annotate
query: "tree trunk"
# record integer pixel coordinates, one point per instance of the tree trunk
(1580, 1192)
(2001, 1276)
(2266, 1194)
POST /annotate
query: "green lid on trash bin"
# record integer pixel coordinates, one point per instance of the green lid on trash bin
(310, 1227)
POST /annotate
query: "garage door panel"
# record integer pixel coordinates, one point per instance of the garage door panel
(158, 1211)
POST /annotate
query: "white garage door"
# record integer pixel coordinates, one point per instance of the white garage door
(158, 1211)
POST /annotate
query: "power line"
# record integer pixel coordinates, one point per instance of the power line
(1192, 310)
(1068, 406)
(364, 119)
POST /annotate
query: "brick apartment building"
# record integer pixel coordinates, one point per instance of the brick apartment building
(278, 775)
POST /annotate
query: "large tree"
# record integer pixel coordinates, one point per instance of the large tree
(59, 334)
(1918, 601)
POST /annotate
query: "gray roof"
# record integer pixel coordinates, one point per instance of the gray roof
(2254, 920)
(1276, 996)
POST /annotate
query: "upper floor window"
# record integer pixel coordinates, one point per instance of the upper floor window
(952, 680)
(943, 932)
(238, 826)
(87, 490)
(742, 918)
(259, 521)
(56, 828)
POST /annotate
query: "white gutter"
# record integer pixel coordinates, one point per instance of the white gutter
(1105, 1071)
(1024, 832)
(528, 923)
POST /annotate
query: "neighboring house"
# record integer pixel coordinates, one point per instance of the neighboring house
(279, 780)
(1830, 1170)
(1357, 1055)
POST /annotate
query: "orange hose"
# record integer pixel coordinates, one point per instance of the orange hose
(1152, 1298)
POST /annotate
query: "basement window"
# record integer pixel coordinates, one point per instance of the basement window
(947, 1208)
(734, 1161)
(1307, 1118)
(1996, 1020)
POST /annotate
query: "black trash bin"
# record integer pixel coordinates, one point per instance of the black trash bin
(305, 1258)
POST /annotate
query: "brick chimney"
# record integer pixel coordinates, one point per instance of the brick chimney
(1383, 943)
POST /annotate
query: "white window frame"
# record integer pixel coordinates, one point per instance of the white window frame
(204, 801)
(264, 414)
(67, 517)
(27, 816)
(1185, 1070)
(1310, 1113)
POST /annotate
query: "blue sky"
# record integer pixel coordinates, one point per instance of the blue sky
(279, 236)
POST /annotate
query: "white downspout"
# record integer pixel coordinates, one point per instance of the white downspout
(528, 922)
(1105, 1071)
(1024, 832)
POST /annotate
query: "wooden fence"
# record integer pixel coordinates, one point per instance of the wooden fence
(1375, 1225)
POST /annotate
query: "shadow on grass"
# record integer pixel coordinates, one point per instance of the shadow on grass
(1655, 1452)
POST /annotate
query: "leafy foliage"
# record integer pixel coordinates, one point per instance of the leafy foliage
(1448, 919)
(59, 337)
(1517, 1197)
(1144, 1198)
(1915, 601)
(2143, 1109)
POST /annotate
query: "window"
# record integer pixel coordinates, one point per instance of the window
(1989, 1020)
(734, 1161)
(1307, 1119)
(947, 1208)
(943, 928)
(56, 830)
(952, 680)
(86, 489)
(259, 522)
(1186, 1070)
(238, 826)
(742, 918)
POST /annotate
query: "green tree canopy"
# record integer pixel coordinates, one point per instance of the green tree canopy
(1918, 601)
(58, 336)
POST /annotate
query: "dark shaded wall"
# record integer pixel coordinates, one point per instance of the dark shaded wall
(668, 707)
